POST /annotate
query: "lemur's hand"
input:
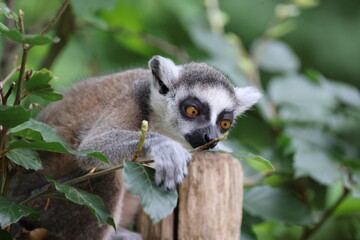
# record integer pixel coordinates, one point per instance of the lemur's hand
(171, 161)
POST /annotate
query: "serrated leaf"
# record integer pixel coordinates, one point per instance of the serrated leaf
(39, 80)
(277, 205)
(7, 12)
(157, 203)
(56, 147)
(91, 201)
(259, 163)
(25, 157)
(39, 85)
(12, 116)
(11, 212)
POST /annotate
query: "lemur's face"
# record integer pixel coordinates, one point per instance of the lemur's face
(195, 103)
(202, 114)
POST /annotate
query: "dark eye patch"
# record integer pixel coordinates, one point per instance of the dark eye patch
(202, 107)
(225, 115)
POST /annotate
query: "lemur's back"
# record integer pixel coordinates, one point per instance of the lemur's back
(89, 101)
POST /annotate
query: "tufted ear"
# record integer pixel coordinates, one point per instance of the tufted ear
(165, 73)
(247, 97)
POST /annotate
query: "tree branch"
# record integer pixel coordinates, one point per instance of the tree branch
(56, 17)
(64, 30)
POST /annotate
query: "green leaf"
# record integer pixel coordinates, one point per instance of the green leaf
(56, 147)
(12, 116)
(46, 139)
(7, 12)
(11, 212)
(157, 203)
(276, 56)
(91, 201)
(25, 157)
(276, 204)
(39, 85)
(37, 39)
(39, 80)
(37, 131)
(259, 163)
(13, 34)
(318, 165)
(48, 95)
(17, 36)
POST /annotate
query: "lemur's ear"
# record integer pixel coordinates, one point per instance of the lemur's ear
(247, 97)
(165, 73)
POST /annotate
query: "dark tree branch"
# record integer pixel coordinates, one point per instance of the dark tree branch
(65, 29)
(56, 17)
(308, 232)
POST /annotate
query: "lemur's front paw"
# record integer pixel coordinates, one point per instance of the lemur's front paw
(171, 161)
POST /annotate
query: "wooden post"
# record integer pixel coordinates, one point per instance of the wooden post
(210, 203)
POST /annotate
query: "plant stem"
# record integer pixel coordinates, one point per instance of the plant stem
(143, 132)
(18, 98)
(56, 17)
(311, 231)
(51, 187)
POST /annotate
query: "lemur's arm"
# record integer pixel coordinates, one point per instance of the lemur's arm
(171, 159)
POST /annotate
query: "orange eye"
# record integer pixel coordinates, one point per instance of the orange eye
(192, 111)
(225, 124)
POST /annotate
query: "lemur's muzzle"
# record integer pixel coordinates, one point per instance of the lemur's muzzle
(202, 136)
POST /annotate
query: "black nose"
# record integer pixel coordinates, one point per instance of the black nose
(209, 139)
(202, 136)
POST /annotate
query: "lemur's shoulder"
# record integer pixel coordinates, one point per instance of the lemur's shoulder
(109, 95)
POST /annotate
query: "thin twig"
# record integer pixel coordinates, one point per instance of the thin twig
(8, 93)
(51, 187)
(143, 132)
(309, 232)
(207, 145)
(13, 71)
(18, 98)
(56, 17)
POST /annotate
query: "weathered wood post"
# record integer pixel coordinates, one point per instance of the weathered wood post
(210, 203)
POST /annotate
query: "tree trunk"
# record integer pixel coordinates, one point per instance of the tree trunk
(210, 202)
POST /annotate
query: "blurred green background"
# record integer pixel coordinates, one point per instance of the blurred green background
(303, 54)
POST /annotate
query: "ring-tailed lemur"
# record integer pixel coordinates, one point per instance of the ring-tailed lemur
(186, 106)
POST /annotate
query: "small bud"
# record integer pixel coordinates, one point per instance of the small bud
(283, 11)
(21, 13)
(29, 72)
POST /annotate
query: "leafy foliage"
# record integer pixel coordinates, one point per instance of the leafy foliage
(306, 125)
(11, 212)
(91, 201)
(140, 180)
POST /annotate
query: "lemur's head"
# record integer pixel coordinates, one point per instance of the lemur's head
(195, 102)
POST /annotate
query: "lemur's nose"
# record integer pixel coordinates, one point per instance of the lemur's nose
(209, 139)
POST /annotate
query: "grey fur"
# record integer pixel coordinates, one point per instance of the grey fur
(105, 114)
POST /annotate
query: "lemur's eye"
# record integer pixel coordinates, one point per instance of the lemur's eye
(225, 124)
(192, 111)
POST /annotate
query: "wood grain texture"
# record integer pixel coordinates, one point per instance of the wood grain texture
(210, 202)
